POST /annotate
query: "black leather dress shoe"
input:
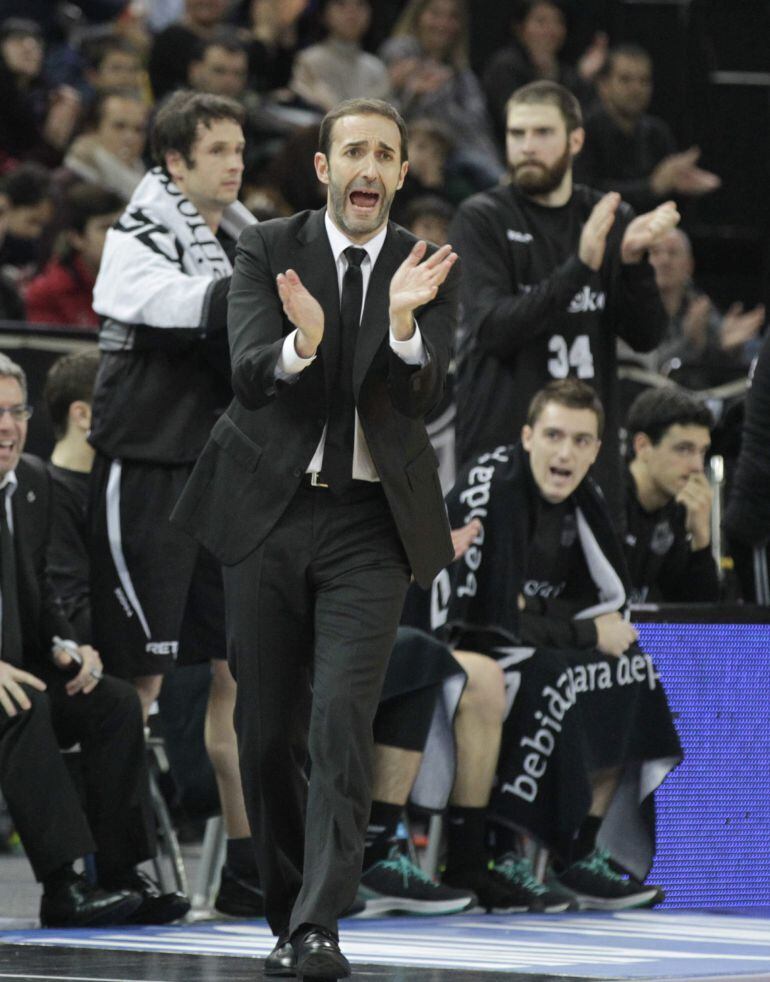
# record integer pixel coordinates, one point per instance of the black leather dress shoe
(76, 903)
(156, 907)
(318, 955)
(281, 961)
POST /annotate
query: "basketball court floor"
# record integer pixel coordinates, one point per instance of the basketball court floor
(665, 945)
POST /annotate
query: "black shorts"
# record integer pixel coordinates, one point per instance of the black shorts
(156, 595)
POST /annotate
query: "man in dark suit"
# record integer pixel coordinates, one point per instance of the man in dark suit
(318, 491)
(52, 695)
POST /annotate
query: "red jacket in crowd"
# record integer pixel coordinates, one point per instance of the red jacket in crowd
(62, 294)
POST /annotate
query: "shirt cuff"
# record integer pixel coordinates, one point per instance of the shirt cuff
(289, 362)
(412, 351)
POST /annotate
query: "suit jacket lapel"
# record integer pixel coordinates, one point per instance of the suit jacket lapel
(315, 265)
(375, 320)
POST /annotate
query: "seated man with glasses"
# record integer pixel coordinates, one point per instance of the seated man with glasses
(668, 500)
(53, 695)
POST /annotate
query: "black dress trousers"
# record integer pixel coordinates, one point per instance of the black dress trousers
(311, 618)
(116, 819)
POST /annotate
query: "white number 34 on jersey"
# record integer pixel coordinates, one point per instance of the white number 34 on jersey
(577, 357)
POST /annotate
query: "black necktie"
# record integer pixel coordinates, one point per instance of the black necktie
(338, 451)
(11, 650)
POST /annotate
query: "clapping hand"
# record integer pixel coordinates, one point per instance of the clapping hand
(593, 238)
(739, 325)
(647, 229)
(415, 283)
(303, 310)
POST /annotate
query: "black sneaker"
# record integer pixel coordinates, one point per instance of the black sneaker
(396, 885)
(495, 893)
(660, 893)
(237, 897)
(519, 873)
(596, 885)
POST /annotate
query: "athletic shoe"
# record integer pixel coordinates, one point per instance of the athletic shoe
(237, 897)
(495, 893)
(660, 893)
(596, 886)
(519, 873)
(396, 885)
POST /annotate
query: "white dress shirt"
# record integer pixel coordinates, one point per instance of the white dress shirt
(411, 351)
(10, 482)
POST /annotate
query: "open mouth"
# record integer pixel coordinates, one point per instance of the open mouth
(560, 473)
(364, 200)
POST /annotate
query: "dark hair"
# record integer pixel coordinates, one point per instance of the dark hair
(569, 392)
(544, 92)
(222, 38)
(433, 128)
(176, 125)
(96, 111)
(96, 50)
(361, 107)
(524, 8)
(20, 27)
(635, 51)
(428, 204)
(83, 202)
(70, 379)
(28, 184)
(655, 410)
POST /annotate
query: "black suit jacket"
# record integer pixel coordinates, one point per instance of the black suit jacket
(260, 448)
(39, 609)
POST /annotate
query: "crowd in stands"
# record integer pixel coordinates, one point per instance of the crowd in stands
(557, 280)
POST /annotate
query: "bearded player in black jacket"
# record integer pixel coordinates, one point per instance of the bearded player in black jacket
(553, 275)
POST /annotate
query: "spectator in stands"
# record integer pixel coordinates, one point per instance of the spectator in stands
(628, 151)
(338, 68)
(68, 395)
(701, 348)
(668, 500)
(163, 378)
(275, 32)
(539, 32)
(431, 146)
(552, 274)
(179, 44)
(11, 304)
(112, 62)
(541, 590)
(52, 695)
(110, 151)
(220, 67)
(63, 292)
(290, 182)
(36, 121)
(29, 215)
(427, 57)
(747, 519)
(429, 217)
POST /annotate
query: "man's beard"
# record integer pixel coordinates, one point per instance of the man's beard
(535, 178)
